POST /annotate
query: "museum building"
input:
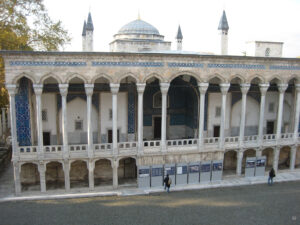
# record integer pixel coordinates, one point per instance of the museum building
(92, 119)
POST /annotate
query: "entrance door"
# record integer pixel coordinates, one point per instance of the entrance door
(216, 131)
(157, 127)
(270, 127)
(46, 138)
(110, 137)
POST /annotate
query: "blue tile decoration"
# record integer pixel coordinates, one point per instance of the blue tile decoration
(147, 120)
(284, 67)
(42, 63)
(177, 119)
(128, 64)
(23, 114)
(237, 66)
(194, 65)
(205, 111)
(131, 108)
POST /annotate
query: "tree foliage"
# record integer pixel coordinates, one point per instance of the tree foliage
(25, 25)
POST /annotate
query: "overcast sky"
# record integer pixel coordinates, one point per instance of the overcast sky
(262, 20)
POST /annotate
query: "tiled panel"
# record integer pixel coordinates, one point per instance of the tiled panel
(131, 109)
(46, 63)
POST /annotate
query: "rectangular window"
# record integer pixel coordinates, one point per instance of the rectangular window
(218, 111)
(44, 115)
(271, 107)
(78, 125)
(110, 114)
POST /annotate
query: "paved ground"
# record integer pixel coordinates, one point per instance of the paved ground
(255, 204)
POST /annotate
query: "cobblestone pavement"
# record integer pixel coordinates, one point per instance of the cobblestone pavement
(255, 204)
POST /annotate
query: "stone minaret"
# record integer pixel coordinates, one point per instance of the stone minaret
(223, 27)
(179, 38)
(89, 29)
(84, 37)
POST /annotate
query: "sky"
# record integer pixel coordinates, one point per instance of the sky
(249, 20)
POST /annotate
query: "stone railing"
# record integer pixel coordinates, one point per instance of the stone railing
(182, 142)
(78, 148)
(53, 148)
(152, 144)
(28, 149)
(211, 140)
(103, 147)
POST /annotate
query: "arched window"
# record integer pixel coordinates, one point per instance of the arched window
(267, 52)
(157, 100)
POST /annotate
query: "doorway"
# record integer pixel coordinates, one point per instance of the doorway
(157, 127)
(216, 131)
(270, 127)
(110, 136)
(46, 138)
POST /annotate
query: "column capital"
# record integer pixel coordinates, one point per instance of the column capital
(202, 86)
(38, 89)
(114, 88)
(140, 87)
(164, 87)
(264, 88)
(11, 88)
(224, 88)
(282, 87)
(89, 88)
(245, 88)
(63, 88)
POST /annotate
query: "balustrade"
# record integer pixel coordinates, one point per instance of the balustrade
(76, 148)
(53, 148)
(211, 140)
(182, 142)
(231, 139)
(103, 147)
(28, 149)
(153, 143)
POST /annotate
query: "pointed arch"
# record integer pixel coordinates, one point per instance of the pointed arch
(76, 75)
(188, 73)
(218, 76)
(28, 76)
(129, 74)
(232, 77)
(153, 75)
(293, 76)
(261, 78)
(50, 75)
(102, 75)
(276, 77)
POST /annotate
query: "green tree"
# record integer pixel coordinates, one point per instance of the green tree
(25, 25)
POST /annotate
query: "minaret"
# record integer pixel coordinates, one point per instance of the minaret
(223, 27)
(89, 34)
(179, 38)
(84, 37)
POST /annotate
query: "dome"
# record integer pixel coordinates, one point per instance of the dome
(138, 27)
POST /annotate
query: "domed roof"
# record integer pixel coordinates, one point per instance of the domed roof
(138, 27)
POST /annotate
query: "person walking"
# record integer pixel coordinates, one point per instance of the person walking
(167, 182)
(271, 176)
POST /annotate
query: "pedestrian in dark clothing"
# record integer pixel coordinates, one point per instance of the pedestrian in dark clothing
(167, 182)
(271, 176)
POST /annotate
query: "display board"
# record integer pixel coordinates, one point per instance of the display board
(144, 176)
(170, 169)
(205, 171)
(260, 166)
(250, 166)
(194, 173)
(181, 173)
(217, 170)
(157, 176)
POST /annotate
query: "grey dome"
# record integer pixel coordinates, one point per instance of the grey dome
(138, 27)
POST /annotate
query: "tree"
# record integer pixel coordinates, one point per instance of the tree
(25, 25)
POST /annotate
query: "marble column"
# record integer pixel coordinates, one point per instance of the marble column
(244, 90)
(140, 90)
(258, 152)
(114, 88)
(240, 155)
(89, 88)
(64, 92)
(4, 120)
(115, 165)
(38, 90)
(202, 89)
(8, 118)
(91, 175)
(224, 89)
(293, 153)
(297, 112)
(66, 166)
(276, 157)
(164, 87)
(17, 179)
(12, 90)
(263, 90)
(281, 89)
(42, 171)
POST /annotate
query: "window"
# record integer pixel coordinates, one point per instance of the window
(218, 111)
(271, 107)
(110, 114)
(78, 125)
(157, 100)
(267, 52)
(44, 115)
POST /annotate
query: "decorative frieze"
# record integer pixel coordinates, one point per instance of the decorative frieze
(128, 64)
(45, 63)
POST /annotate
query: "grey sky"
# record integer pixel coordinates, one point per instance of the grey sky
(263, 20)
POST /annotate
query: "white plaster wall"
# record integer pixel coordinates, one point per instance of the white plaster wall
(106, 104)
(256, 48)
(215, 100)
(271, 116)
(49, 104)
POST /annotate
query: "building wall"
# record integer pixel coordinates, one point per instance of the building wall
(49, 104)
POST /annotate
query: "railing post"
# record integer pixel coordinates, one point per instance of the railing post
(202, 89)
